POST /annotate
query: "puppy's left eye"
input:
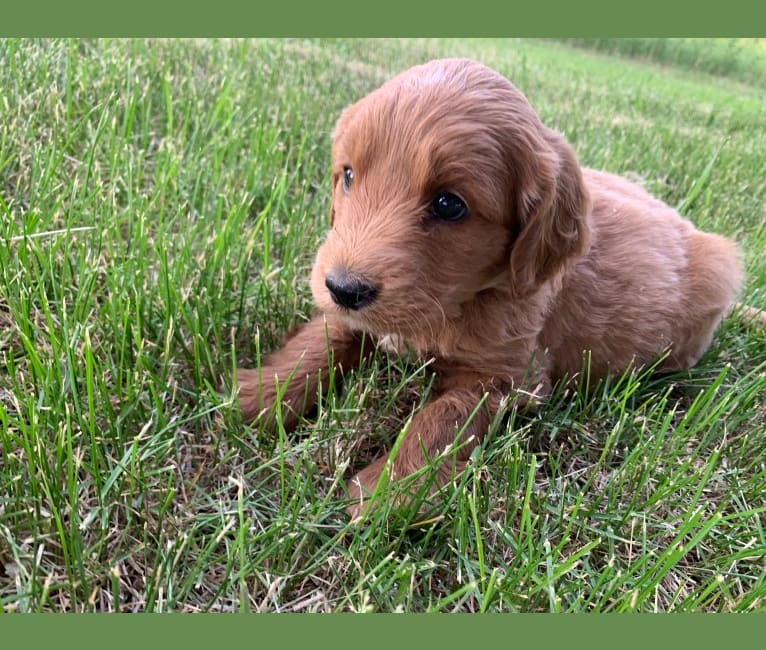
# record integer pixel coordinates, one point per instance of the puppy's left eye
(348, 177)
(448, 207)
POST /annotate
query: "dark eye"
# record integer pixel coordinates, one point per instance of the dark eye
(448, 207)
(348, 176)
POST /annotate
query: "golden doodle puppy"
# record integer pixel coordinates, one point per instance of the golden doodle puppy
(465, 228)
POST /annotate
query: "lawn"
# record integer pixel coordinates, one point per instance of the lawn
(160, 204)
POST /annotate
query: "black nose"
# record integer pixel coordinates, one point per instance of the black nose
(348, 290)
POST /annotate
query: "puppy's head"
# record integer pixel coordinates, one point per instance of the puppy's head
(445, 184)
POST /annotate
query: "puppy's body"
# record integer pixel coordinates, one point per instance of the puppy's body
(463, 226)
(650, 282)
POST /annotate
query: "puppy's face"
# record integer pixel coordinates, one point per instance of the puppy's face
(434, 176)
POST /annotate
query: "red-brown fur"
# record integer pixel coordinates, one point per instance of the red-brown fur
(553, 260)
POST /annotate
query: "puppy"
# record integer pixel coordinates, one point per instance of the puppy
(464, 227)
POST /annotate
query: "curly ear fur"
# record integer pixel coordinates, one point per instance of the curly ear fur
(552, 205)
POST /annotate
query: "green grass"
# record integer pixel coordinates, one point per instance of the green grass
(736, 58)
(160, 204)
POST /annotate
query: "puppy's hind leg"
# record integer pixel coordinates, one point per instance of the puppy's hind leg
(294, 372)
(712, 279)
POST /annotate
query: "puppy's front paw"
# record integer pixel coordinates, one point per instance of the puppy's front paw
(422, 489)
(362, 487)
(251, 402)
(257, 397)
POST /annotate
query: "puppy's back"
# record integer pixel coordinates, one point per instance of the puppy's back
(650, 282)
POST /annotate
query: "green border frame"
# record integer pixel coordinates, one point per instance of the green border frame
(382, 630)
(383, 18)
(392, 18)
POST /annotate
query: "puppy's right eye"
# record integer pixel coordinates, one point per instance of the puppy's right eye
(447, 206)
(348, 176)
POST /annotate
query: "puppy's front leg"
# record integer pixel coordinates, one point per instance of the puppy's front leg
(295, 371)
(433, 431)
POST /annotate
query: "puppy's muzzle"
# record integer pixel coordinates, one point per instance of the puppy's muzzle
(349, 291)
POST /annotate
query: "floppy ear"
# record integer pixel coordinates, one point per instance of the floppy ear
(552, 205)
